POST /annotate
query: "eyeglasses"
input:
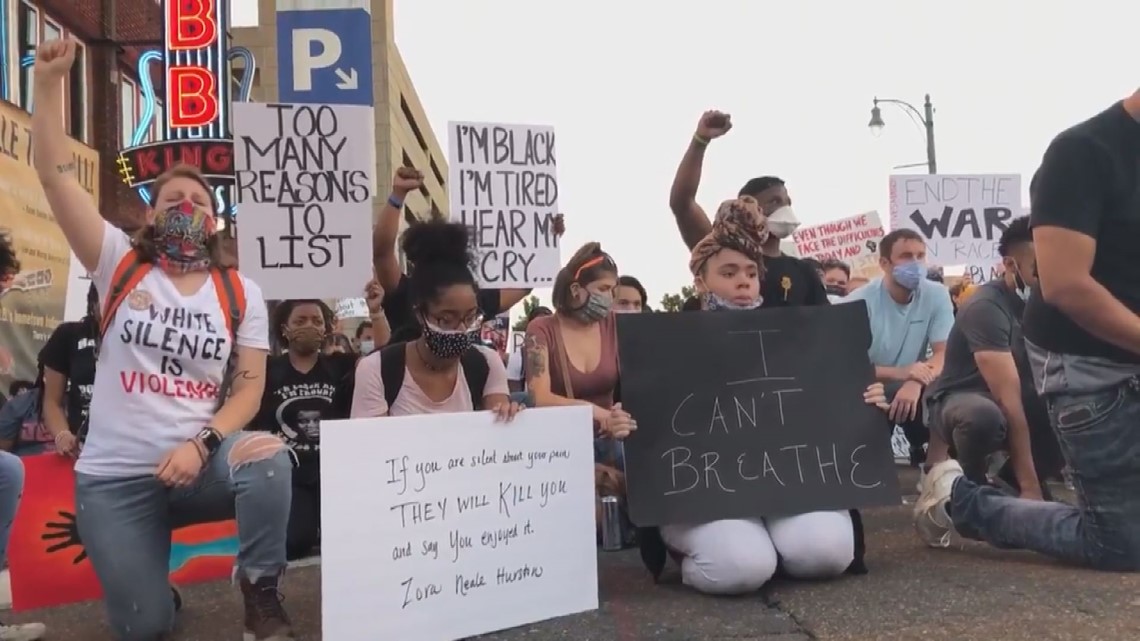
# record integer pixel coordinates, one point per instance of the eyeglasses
(452, 323)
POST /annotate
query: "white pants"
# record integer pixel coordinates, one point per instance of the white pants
(736, 556)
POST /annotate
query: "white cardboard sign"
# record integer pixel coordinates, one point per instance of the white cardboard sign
(962, 217)
(504, 187)
(304, 182)
(445, 526)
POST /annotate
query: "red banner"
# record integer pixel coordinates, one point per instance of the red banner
(46, 560)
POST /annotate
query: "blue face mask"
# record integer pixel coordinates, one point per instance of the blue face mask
(909, 274)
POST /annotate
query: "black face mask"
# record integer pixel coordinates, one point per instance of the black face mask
(835, 290)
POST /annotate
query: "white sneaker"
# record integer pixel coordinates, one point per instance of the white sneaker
(930, 517)
(900, 446)
(22, 632)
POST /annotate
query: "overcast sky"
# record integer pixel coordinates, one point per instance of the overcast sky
(624, 84)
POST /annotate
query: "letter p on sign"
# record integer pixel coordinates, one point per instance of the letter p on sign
(306, 61)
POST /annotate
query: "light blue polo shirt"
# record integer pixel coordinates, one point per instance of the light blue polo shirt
(900, 334)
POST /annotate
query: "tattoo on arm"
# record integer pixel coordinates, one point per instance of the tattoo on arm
(536, 357)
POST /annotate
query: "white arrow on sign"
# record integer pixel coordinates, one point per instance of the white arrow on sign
(348, 80)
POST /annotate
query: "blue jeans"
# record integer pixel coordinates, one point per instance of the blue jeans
(11, 487)
(1099, 434)
(126, 523)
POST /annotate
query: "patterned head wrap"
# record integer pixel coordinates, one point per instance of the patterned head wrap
(739, 224)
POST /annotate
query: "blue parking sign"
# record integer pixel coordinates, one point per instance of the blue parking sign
(324, 56)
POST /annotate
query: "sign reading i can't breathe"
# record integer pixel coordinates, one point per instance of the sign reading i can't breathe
(962, 217)
(755, 413)
(504, 186)
(304, 181)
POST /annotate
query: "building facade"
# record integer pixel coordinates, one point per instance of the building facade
(402, 134)
(101, 104)
(104, 102)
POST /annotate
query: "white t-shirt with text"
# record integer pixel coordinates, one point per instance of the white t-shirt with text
(160, 366)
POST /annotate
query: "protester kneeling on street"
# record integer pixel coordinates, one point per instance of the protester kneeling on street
(165, 447)
(976, 406)
(572, 359)
(443, 368)
(735, 556)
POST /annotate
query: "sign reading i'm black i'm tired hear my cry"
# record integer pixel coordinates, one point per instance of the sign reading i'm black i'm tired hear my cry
(504, 187)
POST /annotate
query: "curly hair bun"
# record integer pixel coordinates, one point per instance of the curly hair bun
(437, 241)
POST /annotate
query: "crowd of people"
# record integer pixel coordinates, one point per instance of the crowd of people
(184, 397)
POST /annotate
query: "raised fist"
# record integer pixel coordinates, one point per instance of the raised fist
(714, 124)
(373, 295)
(406, 181)
(54, 59)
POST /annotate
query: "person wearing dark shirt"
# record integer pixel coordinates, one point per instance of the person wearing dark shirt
(976, 404)
(397, 303)
(68, 360)
(1082, 333)
(836, 275)
(303, 387)
(788, 281)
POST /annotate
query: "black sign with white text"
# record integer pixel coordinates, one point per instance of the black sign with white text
(752, 413)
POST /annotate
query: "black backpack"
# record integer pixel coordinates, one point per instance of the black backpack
(393, 364)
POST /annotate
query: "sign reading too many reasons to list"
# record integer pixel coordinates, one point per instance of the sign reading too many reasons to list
(462, 526)
(304, 184)
(504, 187)
(962, 217)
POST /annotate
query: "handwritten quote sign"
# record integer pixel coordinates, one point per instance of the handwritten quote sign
(853, 240)
(754, 414)
(460, 526)
(504, 186)
(962, 217)
(304, 182)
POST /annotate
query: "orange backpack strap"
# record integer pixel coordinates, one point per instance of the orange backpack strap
(127, 275)
(231, 296)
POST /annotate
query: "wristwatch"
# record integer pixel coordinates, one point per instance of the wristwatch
(210, 438)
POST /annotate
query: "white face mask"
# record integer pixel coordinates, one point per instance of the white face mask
(782, 222)
(626, 311)
(366, 347)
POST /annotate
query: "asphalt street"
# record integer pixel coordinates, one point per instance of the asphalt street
(968, 592)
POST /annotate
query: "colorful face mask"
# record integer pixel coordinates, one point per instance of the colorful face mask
(181, 234)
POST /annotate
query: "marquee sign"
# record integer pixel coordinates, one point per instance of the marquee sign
(197, 92)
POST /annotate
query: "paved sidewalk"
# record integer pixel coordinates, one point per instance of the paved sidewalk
(912, 593)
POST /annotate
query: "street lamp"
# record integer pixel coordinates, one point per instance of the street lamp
(926, 117)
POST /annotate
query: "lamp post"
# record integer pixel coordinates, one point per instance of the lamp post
(926, 117)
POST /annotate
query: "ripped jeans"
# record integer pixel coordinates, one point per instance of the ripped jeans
(126, 523)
